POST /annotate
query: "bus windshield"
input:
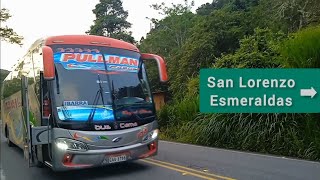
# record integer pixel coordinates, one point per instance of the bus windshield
(97, 86)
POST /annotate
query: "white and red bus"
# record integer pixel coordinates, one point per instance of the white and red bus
(80, 101)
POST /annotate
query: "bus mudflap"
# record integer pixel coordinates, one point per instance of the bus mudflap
(40, 135)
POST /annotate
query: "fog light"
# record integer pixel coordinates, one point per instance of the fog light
(67, 158)
(152, 146)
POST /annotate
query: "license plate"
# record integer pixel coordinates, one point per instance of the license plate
(119, 158)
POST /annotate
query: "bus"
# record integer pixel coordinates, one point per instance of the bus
(81, 101)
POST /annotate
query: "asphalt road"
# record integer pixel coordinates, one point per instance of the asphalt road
(174, 161)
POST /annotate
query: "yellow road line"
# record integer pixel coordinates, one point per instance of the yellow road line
(189, 169)
(179, 170)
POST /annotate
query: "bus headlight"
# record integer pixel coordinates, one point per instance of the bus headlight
(151, 135)
(155, 133)
(69, 144)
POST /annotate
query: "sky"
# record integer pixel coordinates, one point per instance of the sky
(34, 19)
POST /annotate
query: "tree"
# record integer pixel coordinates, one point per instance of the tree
(213, 35)
(176, 9)
(167, 37)
(260, 50)
(297, 14)
(206, 9)
(6, 33)
(111, 21)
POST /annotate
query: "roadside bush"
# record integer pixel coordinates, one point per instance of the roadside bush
(172, 117)
(282, 134)
(302, 50)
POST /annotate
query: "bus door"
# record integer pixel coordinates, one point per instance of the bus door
(27, 147)
(34, 135)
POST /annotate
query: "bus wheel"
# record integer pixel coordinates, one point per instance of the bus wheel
(10, 144)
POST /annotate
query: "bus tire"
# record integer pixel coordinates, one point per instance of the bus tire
(10, 144)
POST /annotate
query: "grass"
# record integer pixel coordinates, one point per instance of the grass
(302, 50)
(294, 135)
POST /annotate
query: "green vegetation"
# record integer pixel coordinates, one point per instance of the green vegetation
(9, 35)
(235, 34)
(3, 75)
(302, 50)
(6, 33)
(111, 21)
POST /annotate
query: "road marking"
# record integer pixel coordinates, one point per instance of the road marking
(194, 170)
(241, 152)
(189, 169)
(178, 170)
(157, 162)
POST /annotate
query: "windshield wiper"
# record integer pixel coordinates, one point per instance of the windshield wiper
(101, 90)
(66, 113)
(96, 100)
(113, 95)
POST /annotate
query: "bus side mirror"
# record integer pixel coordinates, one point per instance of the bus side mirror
(48, 64)
(161, 65)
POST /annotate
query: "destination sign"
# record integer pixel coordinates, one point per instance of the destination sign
(259, 90)
(87, 61)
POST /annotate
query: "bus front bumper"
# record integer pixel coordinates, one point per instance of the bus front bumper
(68, 160)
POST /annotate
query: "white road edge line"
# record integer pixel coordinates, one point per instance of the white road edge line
(240, 152)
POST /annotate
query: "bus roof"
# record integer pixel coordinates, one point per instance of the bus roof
(90, 40)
